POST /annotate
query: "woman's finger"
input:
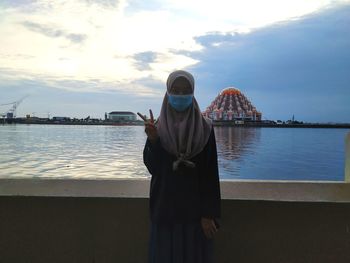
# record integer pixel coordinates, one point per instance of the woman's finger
(213, 231)
(142, 116)
(151, 115)
(209, 232)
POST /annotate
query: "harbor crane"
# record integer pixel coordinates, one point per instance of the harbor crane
(11, 113)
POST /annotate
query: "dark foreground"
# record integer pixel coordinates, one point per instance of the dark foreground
(106, 230)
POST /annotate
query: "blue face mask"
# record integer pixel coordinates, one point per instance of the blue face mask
(180, 102)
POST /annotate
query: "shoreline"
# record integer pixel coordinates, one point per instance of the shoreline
(215, 123)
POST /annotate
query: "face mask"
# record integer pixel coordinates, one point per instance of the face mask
(180, 102)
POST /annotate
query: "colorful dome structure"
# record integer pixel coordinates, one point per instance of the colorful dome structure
(232, 105)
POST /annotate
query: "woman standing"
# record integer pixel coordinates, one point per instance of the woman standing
(180, 154)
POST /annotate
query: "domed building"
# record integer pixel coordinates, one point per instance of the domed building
(232, 105)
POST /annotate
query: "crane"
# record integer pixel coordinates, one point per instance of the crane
(11, 113)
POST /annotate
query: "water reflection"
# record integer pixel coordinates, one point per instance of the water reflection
(232, 142)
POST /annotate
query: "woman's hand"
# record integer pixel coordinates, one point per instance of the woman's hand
(150, 128)
(209, 227)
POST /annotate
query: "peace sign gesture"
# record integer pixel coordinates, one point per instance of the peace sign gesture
(144, 117)
(150, 128)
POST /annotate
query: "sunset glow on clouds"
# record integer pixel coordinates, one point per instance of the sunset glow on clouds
(123, 47)
(85, 40)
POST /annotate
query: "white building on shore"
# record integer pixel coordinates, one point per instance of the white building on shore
(122, 116)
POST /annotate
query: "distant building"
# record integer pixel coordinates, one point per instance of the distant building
(122, 116)
(58, 118)
(232, 105)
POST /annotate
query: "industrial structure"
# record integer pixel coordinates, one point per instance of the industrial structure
(122, 116)
(11, 112)
(232, 105)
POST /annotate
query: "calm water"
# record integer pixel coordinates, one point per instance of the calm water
(59, 151)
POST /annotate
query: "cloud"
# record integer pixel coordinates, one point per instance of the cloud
(143, 59)
(105, 3)
(298, 67)
(23, 3)
(142, 87)
(51, 32)
(213, 38)
(129, 47)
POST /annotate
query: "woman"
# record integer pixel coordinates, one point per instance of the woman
(180, 154)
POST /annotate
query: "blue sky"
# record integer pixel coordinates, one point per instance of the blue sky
(80, 58)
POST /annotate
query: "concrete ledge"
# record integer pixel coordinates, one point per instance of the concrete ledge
(75, 187)
(303, 191)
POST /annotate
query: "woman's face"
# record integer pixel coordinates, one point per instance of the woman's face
(181, 86)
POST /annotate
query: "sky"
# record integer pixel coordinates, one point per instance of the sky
(86, 57)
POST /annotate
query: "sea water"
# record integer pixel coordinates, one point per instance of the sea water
(102, 152)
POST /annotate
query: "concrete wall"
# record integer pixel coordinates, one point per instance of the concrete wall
(347, 158)
(71, 229)
(95, 221)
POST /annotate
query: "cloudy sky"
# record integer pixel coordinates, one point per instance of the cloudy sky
(88, 57)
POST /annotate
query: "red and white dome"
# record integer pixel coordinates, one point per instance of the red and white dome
(231, 104)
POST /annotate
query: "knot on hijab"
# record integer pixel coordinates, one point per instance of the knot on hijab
(182, 159)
